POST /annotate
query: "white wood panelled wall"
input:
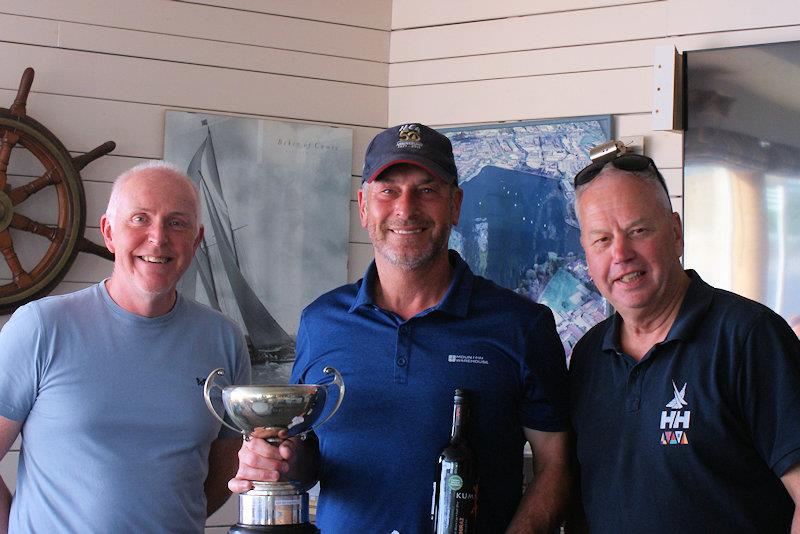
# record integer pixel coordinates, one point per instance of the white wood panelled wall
(108, 69)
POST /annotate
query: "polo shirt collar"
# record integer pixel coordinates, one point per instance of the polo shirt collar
(694, 307)
(455, 301)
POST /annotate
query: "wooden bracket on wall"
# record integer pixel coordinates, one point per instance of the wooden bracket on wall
(667, 88)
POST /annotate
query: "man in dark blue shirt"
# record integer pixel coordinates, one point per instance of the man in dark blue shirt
(415, 328)
(686, 402)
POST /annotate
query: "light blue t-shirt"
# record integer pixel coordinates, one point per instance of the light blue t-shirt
(116, 433)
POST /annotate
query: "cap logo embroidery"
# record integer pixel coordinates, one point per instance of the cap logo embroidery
(409, 136)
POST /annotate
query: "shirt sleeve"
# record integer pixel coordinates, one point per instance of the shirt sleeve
(769, 385)
(545, 405)
(21, 344)
(302, 351)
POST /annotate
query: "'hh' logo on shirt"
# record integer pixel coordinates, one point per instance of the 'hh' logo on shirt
(675, 422)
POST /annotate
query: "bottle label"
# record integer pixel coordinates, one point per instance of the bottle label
(455, 482)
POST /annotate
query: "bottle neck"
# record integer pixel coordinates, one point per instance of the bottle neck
(458, 423)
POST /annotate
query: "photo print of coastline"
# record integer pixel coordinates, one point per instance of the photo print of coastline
(518, 226)
(276, 199)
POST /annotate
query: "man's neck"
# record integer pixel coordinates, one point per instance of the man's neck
(639, 334)
(153, 306)
(407, 292)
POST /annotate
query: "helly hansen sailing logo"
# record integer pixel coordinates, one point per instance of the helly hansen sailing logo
(675, 421)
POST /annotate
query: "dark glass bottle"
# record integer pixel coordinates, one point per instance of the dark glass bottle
(455, 489)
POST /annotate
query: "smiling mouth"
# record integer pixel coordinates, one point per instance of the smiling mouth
(631, 277)
(155, 259)
(407, 232)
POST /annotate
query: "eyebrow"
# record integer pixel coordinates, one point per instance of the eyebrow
(170, 214)
(637, 222)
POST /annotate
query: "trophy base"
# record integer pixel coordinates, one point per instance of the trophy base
(274, 507)
(302, 528)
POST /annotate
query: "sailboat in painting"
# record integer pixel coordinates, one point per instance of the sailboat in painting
(215, 269)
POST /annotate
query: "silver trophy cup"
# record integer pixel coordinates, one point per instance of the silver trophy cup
(274, 507)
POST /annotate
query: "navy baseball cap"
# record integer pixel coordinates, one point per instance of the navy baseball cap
(415, 144)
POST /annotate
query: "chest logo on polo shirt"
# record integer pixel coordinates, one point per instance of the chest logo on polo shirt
(675, 421)
(467, 358)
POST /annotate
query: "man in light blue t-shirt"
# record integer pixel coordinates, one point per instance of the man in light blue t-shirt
(105, 385)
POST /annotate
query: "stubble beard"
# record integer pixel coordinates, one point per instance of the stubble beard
(418, 260)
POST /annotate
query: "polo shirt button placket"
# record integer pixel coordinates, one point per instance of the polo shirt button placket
(634, 388)
(402, 354)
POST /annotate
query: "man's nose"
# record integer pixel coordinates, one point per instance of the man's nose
(157, 234)
(622, 250)
(406, 204)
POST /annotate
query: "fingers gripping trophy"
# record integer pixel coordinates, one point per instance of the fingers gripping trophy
(275, 507)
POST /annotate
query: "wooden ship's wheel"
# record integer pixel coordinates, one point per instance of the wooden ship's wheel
(55, 243)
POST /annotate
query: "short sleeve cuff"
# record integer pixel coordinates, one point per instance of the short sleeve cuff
(786, 461)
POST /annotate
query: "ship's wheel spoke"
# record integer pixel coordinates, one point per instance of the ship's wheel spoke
(21, 278)
(6, 144)
(25, 224)
(18, 194)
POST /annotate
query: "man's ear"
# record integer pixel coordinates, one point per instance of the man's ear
(362, 207)
(105, 229)
(457, 198)
(200, 232)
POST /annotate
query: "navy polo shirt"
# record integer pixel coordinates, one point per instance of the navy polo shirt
(379, 452)
(694, 437)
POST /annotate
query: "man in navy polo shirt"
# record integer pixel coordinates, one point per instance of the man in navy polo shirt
(686, 402)
(415, 328)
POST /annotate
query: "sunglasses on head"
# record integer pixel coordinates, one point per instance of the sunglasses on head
(625, 162)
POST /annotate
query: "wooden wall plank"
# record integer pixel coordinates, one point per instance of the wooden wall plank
(133, 43)
(690, 16)
(84, 123)
(359, 257)
(737, 38)
(365, 13)
(581, 58)
(622, 91)
(532, 32)
(211, 22)
(28, 30)
(101, 76)
(416, 13)
(107, 168)
(524, 63)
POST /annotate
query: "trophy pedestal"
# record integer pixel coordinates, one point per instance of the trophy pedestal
(273, 507)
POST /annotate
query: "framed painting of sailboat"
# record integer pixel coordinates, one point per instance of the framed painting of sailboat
(275, 201)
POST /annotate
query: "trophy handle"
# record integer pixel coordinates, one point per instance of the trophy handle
(210, 384)
(337, 380)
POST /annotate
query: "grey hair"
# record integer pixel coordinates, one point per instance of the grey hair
(648, 175)
(170, 172)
